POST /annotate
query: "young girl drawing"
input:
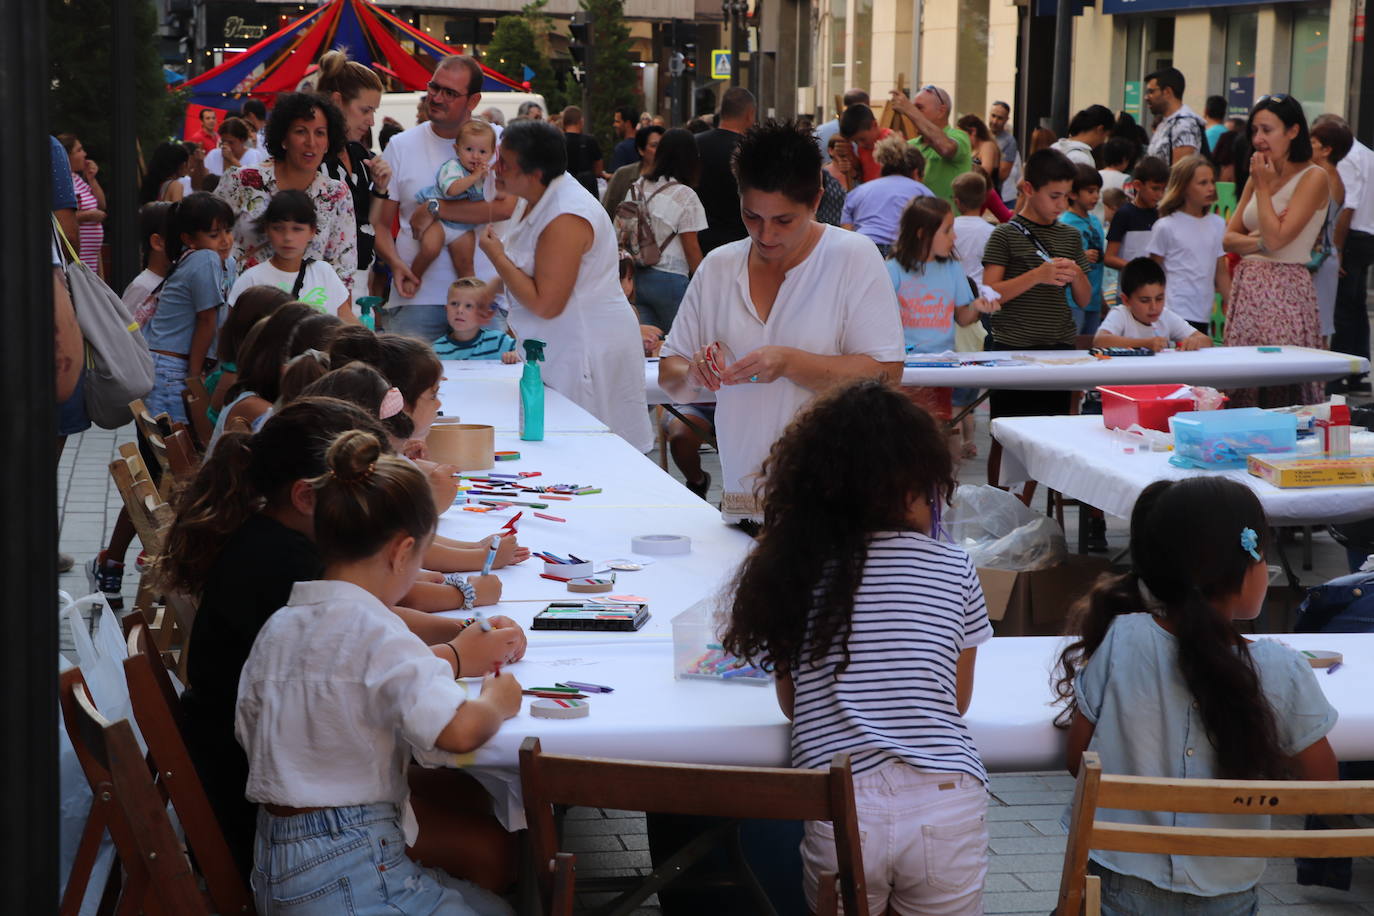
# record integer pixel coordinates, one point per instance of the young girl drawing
(851, 601)
(1161, 684)
(336, 692)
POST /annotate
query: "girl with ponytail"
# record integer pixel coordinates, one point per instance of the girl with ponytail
(335, 695)
(1160, 683)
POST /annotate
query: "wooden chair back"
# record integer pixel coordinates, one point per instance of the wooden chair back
(1095, 790)
(157, 875)
(674, 788)
(153, 429)
(158, 711)
(182, 456)
(197, 401)
(564, 870)
(170, 619)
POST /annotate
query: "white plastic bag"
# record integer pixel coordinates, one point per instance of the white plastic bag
(101, 660)
(1000, 532)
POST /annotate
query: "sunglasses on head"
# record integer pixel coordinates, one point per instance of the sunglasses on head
(1272, 97)
(940, 94)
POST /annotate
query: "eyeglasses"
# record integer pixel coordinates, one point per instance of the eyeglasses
(444, 92)
(940, 94)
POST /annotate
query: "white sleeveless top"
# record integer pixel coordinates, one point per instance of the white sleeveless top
(1298, 251)
(594, 355)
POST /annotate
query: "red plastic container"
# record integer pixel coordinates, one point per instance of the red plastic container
(1147, 405)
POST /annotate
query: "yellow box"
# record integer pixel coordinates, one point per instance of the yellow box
(1313, 470)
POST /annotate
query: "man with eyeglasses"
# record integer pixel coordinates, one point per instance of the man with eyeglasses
(948, 150)
(415, 155)
(1179, 132)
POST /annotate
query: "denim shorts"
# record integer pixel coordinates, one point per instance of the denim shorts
(71, 413)
(658, 293)
(169, 381)
(352, 862)
(1126, 895)
(421, 321)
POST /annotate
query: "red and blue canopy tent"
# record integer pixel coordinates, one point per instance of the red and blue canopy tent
(280, 61)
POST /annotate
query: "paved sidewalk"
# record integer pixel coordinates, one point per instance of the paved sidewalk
(1026, 842)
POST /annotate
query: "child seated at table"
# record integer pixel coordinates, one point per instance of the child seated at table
(466, 337)
(1219, 706)
(871, 626)
(335, 694)
(1142, 320)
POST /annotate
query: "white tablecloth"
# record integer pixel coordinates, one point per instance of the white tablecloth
(488, 391)
(653, 716)
(1216, 367)
(1082, 459)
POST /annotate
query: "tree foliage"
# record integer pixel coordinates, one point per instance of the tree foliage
(79, 65)
(611, 79)
(515, 44)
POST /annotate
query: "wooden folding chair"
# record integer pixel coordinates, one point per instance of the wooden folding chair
(182, 456)
(673, 788)
(169, 621)
(153, 428)
(1079, 892)
(158, 712)
(197, 401)
(158, 879)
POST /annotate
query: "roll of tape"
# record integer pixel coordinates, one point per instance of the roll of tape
(661, 544)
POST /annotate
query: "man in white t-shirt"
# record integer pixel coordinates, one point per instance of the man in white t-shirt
(454, 92)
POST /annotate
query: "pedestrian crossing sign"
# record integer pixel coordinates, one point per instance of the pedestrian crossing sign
(720, 64)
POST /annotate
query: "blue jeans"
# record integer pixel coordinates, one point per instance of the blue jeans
(169, 381)
(1086, 321)
(71, 413)
(352, 862)
(1124, 895)
(658, 293)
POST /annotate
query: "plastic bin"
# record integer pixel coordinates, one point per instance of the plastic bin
(1212, 439)
(697, 654)
(1147, 405)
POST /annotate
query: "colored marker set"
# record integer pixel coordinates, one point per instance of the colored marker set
(718, 665)
(592, 615)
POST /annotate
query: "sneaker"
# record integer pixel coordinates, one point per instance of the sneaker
(141, 561)
(108, 579)
(701, 487)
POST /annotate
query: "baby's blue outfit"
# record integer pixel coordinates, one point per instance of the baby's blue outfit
(448, 173)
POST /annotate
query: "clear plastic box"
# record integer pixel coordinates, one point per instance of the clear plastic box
(697, 654)
(1211, 439)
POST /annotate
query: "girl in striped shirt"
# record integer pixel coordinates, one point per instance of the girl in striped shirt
(871, 625)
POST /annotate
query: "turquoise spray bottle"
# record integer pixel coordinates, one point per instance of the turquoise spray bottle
(532, 393)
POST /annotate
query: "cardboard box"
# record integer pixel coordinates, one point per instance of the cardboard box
(1313, 470)
(1037, 603)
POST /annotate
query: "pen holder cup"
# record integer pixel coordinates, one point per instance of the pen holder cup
(467, 446)
(570, 570)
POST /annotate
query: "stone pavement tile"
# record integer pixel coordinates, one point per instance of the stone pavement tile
(1022, 902)
(1021, 864)
(1010, 828)
(619, 860)
(1028, 812)
(1281, 874)
(582, 843)
(1036, 845)
(1316, 909)
(1048, 828)
(1041, 880)
(997, 884)
(603, 825)
(1038, 797)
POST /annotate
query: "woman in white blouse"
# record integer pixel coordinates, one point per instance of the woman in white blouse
(560, 267)
(800, 305)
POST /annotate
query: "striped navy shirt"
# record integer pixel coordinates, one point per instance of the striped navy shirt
(488, 344)
(918, 607)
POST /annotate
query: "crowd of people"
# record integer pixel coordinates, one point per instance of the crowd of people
(788, 271)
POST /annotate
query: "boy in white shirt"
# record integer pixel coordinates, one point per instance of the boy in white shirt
(1142, 320)
(971, 231)
(289, 222)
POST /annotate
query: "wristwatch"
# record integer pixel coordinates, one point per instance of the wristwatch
(433, 206)
(460, 582)
(380, 195)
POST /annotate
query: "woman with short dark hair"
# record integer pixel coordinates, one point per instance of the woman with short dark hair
(559, 267)
(646, 142)
(770, 320)
(301, 131)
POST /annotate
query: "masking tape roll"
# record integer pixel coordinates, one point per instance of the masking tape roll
(559, 709)
(661, 544)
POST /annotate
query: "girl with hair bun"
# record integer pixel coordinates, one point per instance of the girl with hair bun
(1160, 683)
(337, 692)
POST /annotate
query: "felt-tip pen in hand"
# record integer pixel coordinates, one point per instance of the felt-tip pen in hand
(494, 544)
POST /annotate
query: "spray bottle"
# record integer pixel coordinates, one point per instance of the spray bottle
(532, 393)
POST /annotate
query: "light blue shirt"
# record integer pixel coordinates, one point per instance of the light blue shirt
(823, 134)
(927, 300)
(1090, 230)
(875, 207)
(1147, 724)
(200, 281)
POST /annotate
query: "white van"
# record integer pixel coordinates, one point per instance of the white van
(402, 106)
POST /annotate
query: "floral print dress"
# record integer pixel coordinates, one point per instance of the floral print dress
(248, 190)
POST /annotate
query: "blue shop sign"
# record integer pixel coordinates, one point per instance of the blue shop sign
(1117, 7)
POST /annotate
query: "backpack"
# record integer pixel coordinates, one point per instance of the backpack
(119, 367)
(1204, 149)
(634, 228)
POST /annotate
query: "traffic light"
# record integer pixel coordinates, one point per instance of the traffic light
(581, 45)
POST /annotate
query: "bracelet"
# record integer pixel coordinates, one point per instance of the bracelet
(457, 662)
(380, 195)
(460, 582)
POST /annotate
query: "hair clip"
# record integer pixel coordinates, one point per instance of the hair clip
(312, 353)
(392, 402)
(1249, 541)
